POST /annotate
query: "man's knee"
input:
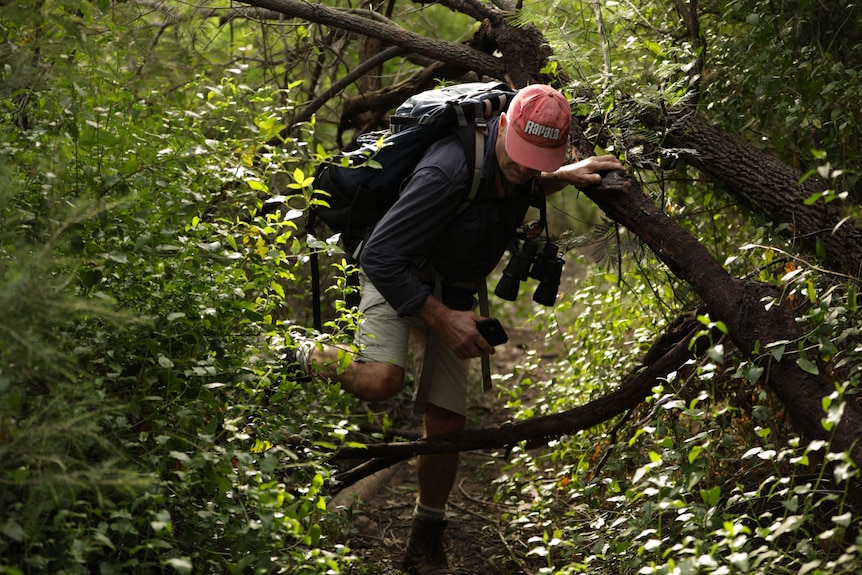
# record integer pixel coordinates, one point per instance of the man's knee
(383, 381)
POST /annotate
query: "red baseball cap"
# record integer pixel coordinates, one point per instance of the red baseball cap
(537, 136)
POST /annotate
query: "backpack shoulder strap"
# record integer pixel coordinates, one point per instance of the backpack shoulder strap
(481, 132)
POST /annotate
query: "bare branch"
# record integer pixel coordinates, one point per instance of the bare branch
(600, 24)
(473, 8)
(311, 107)
(443, 51)
(665, 356)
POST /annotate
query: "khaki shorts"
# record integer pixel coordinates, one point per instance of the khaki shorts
(382, 336)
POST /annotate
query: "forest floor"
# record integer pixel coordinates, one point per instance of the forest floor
(476, 539)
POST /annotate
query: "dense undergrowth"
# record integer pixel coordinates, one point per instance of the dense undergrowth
(706, 477)
(152, 267)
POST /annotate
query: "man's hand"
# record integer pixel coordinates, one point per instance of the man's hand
(582, 174)
(457, 329)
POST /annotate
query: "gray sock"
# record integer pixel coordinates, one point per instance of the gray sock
(426, 513)
(303, 353)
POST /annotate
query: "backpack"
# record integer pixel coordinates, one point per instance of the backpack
(363, 184)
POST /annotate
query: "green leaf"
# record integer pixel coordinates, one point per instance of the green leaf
(180, 456)
(180, 564)
(812, 199)
(278, 289)
(655, 48)
(716, 353)
(820, 248)
(711, 496)
(753, 373)
(162, 521)
(117, 257)
(13, 530)
(806, 365)
(257, 185)
(843, 520)
(777, 352)
(833, 416)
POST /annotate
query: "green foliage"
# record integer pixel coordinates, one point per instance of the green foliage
(812, 49)
(706, 477)
(782, 73)
(147, 273)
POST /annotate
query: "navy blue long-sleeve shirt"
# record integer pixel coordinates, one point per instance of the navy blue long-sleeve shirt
(425, 224)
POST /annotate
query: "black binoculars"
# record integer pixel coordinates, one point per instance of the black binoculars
(527, 262)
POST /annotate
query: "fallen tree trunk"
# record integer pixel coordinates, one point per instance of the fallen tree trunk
(768, 184)
(742, 305)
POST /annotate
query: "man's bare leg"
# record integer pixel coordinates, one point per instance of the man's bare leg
(437, 472)
(425, 551)
(367, 380)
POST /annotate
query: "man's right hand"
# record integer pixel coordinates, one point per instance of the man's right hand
(457, 329)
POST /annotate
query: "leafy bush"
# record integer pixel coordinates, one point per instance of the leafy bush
(149, 287)
(706, 477)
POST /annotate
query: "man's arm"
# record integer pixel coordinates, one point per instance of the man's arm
(582, 174)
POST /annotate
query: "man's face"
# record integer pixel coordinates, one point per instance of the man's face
(513, 172)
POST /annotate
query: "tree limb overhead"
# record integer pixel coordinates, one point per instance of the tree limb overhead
(443, 51)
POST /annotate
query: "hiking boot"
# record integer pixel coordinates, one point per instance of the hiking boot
(425, 554)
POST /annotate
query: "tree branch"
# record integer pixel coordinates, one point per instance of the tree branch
(313, 106)
(450, 52)
(742, 305)
(768, 183)
(474, 8)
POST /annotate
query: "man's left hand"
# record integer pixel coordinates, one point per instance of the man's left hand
(582, 174)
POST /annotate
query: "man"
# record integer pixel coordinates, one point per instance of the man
(419, 272)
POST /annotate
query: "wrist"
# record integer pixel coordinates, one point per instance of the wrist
(432, 312)
(552, 182)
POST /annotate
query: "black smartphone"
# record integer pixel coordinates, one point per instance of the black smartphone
(492, 331)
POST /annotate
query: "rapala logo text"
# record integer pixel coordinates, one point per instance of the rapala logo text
(535, 129)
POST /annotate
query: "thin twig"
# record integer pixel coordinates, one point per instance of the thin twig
(473, 499)
(614, 432)
(606, 53)
(311, 107)
(524, 569)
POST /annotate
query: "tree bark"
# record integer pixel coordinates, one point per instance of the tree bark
(390, 33)
(768, 184)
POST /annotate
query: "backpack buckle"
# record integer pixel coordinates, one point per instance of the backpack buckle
(482, 125)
